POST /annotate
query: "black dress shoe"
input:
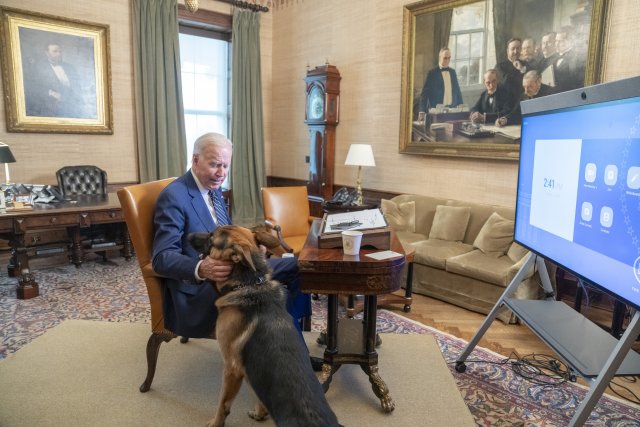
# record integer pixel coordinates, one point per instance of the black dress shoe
(316, 363)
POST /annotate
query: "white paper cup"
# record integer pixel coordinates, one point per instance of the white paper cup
(351, 240)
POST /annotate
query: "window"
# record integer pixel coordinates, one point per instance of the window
(471, 42)
(204, 63)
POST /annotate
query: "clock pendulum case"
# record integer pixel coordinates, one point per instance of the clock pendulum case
(322, 116)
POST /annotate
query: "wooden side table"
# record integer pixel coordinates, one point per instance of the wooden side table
(351, 341)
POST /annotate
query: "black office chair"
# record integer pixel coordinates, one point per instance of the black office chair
(86, 182)
(82, 180)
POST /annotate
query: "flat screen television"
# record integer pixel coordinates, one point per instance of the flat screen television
(578, 195)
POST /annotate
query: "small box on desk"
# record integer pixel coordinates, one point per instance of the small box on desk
(371, 222)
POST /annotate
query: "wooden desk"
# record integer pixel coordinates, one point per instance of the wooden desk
(351, 341)
(71, 215)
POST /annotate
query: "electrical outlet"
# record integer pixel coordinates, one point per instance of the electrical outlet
(306, 159)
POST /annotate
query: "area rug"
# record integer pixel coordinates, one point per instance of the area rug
(87, 373)
(113, 291)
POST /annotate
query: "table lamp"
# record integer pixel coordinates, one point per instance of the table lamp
(6, 157)
(360, 155)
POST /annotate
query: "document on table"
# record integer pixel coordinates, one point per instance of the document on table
(355, 220)
(384, 255)
(511, 131)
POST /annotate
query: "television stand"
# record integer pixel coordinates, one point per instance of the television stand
(586, 348)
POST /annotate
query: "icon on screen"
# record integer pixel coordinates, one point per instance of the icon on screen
(633, 178)
(587, 211)
(636, 269)
(606, 216)
(610, 174)
(590, 172)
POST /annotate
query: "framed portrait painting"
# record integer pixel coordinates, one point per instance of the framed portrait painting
(56, 74)
(558, 43)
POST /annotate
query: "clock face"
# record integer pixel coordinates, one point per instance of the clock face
(315, 109)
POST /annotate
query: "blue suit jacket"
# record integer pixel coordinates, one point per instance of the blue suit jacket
(188, 304)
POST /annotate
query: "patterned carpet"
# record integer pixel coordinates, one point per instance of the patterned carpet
(113, 291)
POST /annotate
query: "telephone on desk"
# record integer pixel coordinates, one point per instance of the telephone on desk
(341, 200)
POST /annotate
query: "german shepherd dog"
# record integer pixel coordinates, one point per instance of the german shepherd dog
(258, 339)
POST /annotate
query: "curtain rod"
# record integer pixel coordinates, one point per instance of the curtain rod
(246, 5)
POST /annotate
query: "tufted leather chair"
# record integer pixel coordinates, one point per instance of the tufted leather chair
(82, 180)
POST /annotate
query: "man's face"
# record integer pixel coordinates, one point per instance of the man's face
(444, 58)
(211, 166)
(548, 45)
(54, 53)
(528, 49)
(562, 42)
(491, 82)
(513, 50)
(531, 86)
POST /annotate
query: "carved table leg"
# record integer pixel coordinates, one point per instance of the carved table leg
(127, 247)
(19, 267)
(379, 387)
(76, 246)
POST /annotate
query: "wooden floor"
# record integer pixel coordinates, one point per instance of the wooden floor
(501, 338)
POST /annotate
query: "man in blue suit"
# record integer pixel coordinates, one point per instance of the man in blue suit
(193, 203)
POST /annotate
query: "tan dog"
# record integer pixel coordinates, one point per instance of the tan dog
(258, 339)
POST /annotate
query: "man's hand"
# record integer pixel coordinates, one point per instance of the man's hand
(501, 121)
(214, 269)
(477, 117)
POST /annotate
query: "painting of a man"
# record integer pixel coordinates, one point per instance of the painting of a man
(53, 85)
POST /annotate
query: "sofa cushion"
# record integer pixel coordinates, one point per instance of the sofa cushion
(477, 265)
(495, 236)
(435, 252)
(400, 216)
(450, 223)
(516, 252)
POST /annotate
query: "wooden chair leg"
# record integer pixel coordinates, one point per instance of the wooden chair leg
(153, 347)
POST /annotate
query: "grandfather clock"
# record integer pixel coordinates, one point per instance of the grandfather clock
(322, 116)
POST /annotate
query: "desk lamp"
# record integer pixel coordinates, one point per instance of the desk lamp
(6, 157)
(360, 155)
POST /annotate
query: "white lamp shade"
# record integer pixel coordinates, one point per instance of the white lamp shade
(360, 155)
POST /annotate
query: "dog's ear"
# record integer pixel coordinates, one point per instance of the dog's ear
(200, 241)
(242, 254)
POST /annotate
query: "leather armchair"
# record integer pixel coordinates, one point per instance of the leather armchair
(287, 209)
(138, 205)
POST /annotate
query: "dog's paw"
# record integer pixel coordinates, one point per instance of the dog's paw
(214, 422)
(258, 415)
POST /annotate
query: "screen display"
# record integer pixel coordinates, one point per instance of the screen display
(578, 201)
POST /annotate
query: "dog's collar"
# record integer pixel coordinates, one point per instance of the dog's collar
(230, 288)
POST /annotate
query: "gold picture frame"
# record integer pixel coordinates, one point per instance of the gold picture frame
(423, 29)
(56, 74)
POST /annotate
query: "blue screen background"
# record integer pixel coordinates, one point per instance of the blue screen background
(610, 134)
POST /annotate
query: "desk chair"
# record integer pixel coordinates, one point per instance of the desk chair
(138, 206)
(286, 209)
(88, 181)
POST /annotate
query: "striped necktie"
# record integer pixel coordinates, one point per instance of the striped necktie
(218, 207)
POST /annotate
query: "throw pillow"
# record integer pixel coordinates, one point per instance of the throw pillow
(450, 223)
(516, 252)
(495, 236)
(401, 217)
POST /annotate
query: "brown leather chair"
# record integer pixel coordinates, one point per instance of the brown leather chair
(82, 180)
(138, 206)
(287, 209)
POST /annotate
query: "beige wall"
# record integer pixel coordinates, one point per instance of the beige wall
(39, 155)
(363, 38)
